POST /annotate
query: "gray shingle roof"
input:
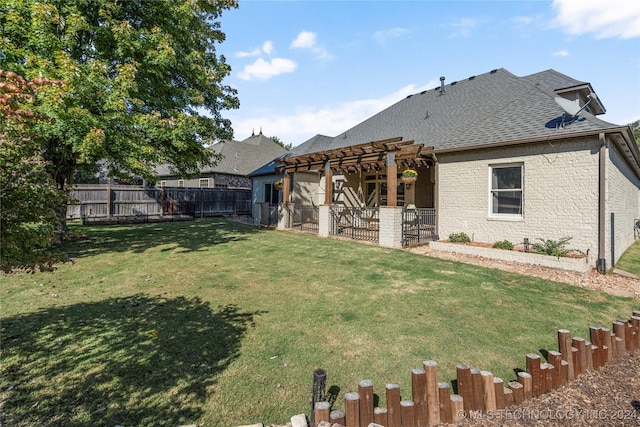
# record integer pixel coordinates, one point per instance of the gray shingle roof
(494, 107)
(240, 157)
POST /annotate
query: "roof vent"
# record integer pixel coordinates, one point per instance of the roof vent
(442, 85)
(409, 96)
(472, 77)
(493, 71)
(423, 92)
(454, 83)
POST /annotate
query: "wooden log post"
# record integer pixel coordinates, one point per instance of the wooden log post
(393, 405)
(352, 409)
(337, 416)
(444, 401)
(555, 359)
(551, 371)
(517, 390)
(589, 353)
(380, 416)
(433, 407)
(564, 371)
(607, 348)
(321, 412)
(580, 363)
(365, 390)
(544, 368)
(407, 413)
(564, 346)
(465, 386)
(508, 397)
(476, 382)
(419, 393)
(525, 379)
(620, 348)
(533, 368)
(457, 408)
(488, 391)
(635, 322)
(498, 386)
(596, 354)
(628, 337)
(620, 330)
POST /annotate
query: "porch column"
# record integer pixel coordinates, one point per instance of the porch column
(328, 183)
(286, 187)
(284, 215)
(390, 227)
(324, 220)
(392, 180)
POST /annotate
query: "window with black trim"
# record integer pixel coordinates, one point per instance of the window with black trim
(507, 193)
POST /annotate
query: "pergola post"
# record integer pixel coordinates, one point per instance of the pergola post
(328, 183)
(392, 180)
(286, 187)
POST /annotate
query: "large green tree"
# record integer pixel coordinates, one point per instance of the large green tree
(635, 127)
(144, 82)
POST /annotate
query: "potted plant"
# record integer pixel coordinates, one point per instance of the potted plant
(278, 185)
(409, 176)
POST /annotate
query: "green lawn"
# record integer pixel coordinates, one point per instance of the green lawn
(630, 260)
(220, 324)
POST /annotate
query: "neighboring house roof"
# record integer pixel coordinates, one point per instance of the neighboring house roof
(239, 157)
(316, 143)
(489, 108)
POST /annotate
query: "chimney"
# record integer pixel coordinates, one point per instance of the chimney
(442, 85)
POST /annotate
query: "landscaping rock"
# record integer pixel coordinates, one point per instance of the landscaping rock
(299, 420)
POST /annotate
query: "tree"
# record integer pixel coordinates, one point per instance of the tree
(635, 127)
(29, 199)
(144, 83)
(280, 143)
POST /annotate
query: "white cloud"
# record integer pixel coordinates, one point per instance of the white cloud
(304, 40)
(561, 53)
(267, 47)
(264, 70)
(383, 35)
(307, 40)
(300, 125)
(612, 18)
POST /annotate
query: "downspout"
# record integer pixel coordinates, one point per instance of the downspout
(601, 263)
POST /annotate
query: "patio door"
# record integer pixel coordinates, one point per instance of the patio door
(377, 191)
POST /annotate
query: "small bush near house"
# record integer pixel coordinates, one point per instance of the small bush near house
(459, 237)
(503, 244)
(552, 247)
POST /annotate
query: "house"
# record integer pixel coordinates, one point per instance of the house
(238, 159)
(498, 157)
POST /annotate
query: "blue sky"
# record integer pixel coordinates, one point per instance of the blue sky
(308, 67)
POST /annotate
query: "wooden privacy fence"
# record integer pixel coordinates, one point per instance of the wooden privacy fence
(479, 392)
(106, 202)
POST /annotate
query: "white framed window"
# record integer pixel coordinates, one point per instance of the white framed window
(181, 183)
(163, 183)
(204, 182)
(506, 197)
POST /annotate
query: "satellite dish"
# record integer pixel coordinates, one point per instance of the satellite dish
(571, 108)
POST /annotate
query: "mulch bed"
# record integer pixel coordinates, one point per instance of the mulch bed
(607, 397)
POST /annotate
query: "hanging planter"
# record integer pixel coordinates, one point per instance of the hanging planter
(278, 185)
(409, 176)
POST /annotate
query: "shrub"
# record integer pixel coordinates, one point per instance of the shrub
(503, 244)
(552, 247)
(459, 237)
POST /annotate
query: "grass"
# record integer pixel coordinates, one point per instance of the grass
(218, 324)
(630, 260)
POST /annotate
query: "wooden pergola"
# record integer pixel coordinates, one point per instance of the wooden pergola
(387, 154)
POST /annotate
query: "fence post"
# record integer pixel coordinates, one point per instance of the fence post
(444, 399)
(352, 409)
(498, 386)
(320, 413)
(518, 392)
(564, 346)
(407, 413)
(337, 417)
(476, 381)
(419, 393)
(488, 391)
(393, 405)
(465, 386)
(457, 408)
(109, 200)
(380, 416)
(525, 379)
(365, 390)
(533, 368)
(433, 407)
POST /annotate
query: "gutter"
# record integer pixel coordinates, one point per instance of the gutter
(601, 263)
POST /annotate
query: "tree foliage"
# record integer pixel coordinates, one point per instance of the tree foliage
(144, 81)
(280, 143)
(29, 199)
(635, 127)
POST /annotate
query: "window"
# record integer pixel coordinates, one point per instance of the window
(204, 182)
(271, 195)
(506, 190)
(181, 183)
(163, 183)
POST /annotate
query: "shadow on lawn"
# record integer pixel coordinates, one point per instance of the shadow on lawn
(134, 361)
(185, 236)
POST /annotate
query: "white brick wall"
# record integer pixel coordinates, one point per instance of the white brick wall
(622, 207)
(560, 194)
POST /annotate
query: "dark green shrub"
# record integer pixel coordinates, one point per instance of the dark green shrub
(503, 244)
(552, 247)
(459, 237)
